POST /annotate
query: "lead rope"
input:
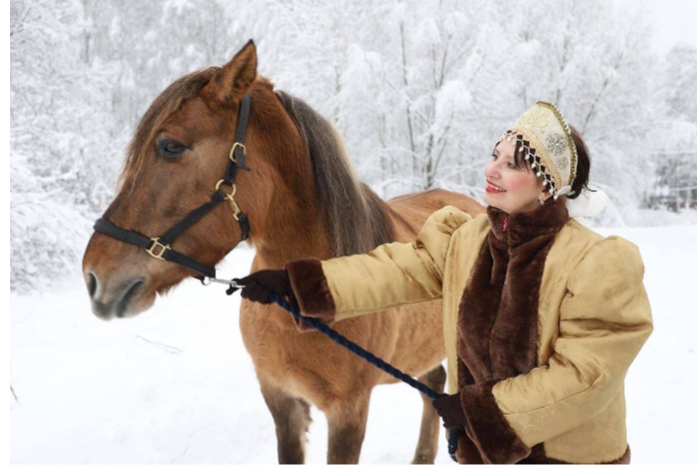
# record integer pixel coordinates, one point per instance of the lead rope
(361, 352)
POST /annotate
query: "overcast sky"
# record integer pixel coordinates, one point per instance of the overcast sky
(673, 20)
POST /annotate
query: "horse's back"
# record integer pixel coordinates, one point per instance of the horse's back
(412, 210)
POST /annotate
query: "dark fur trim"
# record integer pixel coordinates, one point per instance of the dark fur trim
(468, 453)
(497, 321)
(311, 291)
(488, 429)
(625, 459)
(497, 335)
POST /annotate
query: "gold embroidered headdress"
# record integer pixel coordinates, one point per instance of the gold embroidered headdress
(542, 135)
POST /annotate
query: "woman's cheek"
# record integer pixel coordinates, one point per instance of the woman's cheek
(520, 182)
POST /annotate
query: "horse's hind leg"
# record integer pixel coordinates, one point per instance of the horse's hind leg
(347, 422)
(427, 448)
(291, 416)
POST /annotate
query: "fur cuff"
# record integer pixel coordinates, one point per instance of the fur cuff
(488, 429)
(311, 291)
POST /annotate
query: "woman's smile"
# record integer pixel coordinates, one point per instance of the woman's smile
(491, 188)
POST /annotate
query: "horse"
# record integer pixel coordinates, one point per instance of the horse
(302, 199)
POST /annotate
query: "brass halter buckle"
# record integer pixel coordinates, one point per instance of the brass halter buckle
(232, 151)
(155, 244)
(231, 197)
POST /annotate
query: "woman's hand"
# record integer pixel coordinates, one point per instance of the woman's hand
(450, 410)
(259, 285)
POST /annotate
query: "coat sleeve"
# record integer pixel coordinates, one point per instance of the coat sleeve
(605, 318)
(390, 275)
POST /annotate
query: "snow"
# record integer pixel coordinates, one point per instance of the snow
(175, 385)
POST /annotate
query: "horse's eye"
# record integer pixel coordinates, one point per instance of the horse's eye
(170, 148)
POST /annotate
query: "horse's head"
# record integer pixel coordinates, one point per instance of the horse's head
(178, 154)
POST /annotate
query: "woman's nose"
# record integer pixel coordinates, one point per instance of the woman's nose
(491, 169)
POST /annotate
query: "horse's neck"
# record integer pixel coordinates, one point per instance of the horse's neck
(291, 232)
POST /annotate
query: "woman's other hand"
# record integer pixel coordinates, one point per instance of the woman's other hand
(450, 410)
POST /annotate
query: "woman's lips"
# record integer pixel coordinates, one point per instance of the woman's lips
(491, 188)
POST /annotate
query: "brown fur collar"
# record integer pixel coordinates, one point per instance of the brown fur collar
(497, 324)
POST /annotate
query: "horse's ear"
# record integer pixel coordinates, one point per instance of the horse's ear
(235, 79)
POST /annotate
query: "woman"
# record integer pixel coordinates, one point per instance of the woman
(542, 316)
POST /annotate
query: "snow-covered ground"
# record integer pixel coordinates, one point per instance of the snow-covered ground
(175, 385)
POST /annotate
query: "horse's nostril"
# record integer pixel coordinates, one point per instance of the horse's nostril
(91, 284)
(131, 291)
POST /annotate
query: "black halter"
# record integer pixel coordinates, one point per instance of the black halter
(159, 247)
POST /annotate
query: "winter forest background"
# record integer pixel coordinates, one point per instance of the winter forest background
(419, 89)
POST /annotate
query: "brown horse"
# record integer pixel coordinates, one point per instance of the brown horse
(302, 199)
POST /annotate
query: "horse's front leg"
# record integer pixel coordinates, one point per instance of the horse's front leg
(291, 415)
(347, 421)
(427, 448)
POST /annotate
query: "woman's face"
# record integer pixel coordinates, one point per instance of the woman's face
(522, 189)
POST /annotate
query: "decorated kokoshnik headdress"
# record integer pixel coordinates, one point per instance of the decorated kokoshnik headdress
(543, 137)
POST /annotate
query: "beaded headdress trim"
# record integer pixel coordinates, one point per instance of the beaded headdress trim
(544, 138)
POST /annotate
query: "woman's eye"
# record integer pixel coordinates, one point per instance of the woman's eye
(512, 166)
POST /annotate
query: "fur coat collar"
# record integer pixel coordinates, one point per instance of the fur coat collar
(497, 334)
(497, 324)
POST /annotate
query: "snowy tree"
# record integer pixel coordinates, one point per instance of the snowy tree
(674, 137)
(421, 98)
(62, 167)
(420, 91)
(677, 83)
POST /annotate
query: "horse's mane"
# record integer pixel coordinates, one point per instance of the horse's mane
(351, 211)
(353, 214)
